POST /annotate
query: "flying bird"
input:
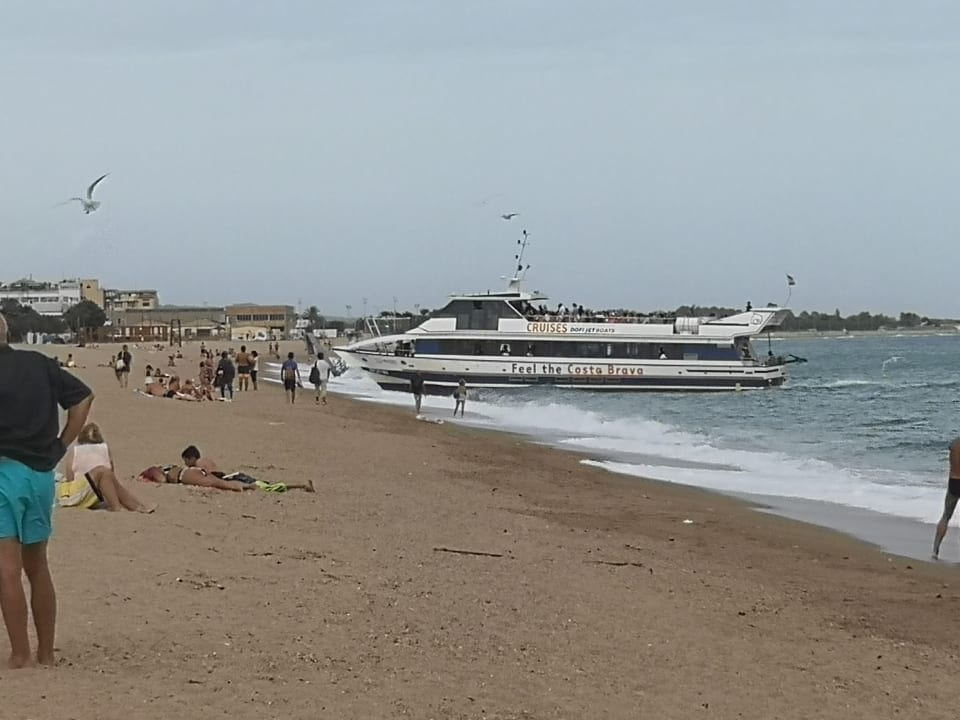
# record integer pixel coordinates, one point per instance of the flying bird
(509, 216)
(88, 203)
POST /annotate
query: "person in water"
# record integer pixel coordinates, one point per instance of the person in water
(953, 495)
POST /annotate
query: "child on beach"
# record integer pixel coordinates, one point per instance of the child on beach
(460, 395)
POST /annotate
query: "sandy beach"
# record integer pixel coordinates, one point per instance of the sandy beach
(593, 598)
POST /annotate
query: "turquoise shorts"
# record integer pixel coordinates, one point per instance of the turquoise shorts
(26, 502)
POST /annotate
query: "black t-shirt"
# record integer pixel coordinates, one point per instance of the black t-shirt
(32, 385)
(226, 370)
(416, 385)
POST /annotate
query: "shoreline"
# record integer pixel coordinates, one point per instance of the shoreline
(888, 533)
(596, 599)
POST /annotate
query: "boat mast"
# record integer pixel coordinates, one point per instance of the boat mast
(521, 272)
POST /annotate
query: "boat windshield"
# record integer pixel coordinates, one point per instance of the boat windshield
(479, 314)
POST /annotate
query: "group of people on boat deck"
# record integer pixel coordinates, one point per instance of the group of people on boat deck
(580, 314)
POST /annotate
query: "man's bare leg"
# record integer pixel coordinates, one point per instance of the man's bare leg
(13, 603)
(43, 599)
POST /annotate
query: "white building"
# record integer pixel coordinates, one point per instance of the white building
(44, 297)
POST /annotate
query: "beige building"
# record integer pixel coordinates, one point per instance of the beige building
(260, 322)
(167, 324)
(130, 300)
(90, 290)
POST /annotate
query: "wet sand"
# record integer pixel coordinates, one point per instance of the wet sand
(594, 599)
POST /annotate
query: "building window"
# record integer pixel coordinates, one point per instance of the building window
(281, 318)
(243, 318)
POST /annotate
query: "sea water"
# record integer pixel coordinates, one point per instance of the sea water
(865, 423)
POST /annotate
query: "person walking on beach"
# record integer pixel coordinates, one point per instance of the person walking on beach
(416, 387)
(243, 369)
(290, 373)
(319, 375)
(124, 361)
(254, 367)
(225, 375)
(953, 495)
(32, 388)
(460, 395)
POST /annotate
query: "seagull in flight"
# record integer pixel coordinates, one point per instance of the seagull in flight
(88, 203)
(509, 216)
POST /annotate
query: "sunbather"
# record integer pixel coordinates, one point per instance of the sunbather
(91, 459)
(182, 475)
(192, 458)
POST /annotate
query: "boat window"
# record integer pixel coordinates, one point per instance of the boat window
(573, 349)
(453, 308)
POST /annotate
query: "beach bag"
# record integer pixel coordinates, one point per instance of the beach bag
(314, 375)
(76, 493)
(121, 365)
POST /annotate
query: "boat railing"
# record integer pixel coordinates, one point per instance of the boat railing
(636, 319)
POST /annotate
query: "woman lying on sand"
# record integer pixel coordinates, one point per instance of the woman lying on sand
(90, 458)
(183, 475)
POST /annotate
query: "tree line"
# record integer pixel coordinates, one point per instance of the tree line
(827, 321)
(23, 319)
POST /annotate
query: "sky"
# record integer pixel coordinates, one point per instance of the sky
(324, 153)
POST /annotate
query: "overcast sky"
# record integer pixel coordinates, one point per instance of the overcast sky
(659, 153)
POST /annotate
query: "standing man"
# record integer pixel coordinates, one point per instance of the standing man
(243, 368)
(416, 387)
(32, 386)
(225, 374)
(319, 376)
(125, 370)
(290, 373)
(953, 495)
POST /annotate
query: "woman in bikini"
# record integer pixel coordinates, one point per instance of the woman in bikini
(182, 475)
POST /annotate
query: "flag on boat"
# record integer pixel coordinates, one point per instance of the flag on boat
(790, 281)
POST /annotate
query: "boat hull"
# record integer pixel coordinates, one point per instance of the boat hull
(441, 375)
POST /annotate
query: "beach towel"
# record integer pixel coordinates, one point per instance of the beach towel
(270, 487)
(76, 493)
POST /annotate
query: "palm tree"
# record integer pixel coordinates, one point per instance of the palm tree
(314, 318)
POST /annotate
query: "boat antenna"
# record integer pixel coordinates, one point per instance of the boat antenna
(521, 270)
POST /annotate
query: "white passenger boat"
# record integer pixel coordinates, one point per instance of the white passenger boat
(501, 340)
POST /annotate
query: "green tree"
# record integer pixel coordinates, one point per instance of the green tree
(22, 320)
(85, 314)
(314, 318)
